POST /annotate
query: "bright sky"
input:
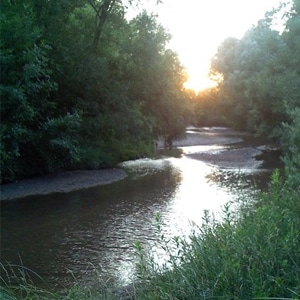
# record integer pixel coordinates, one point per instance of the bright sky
(198, 27)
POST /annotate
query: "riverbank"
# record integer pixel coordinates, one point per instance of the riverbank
(61, 182)
(226, 148)
(75, 180)
(208, 136)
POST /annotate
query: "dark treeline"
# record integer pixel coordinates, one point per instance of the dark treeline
(259, 81)
(83, 87)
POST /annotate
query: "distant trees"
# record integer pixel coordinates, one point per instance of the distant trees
(261, 75)
(259, 84)
(82, 87)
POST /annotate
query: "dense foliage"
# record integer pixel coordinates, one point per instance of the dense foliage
(82, 86)
(259, 76)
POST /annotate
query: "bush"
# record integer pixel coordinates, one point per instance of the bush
(291, 145)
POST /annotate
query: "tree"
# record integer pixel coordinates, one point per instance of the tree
(159, 78)
(25, 87)
(102, 10)
(259, 76)
(88, 95)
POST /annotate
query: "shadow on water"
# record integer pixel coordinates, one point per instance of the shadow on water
(89, 234)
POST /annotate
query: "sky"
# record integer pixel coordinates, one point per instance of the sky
(198, 27)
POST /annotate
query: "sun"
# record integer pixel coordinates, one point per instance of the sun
(197, 65)
(199, 82)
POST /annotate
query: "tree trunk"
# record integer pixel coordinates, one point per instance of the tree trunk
(102, 11)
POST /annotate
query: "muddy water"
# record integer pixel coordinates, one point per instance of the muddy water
(88, 234)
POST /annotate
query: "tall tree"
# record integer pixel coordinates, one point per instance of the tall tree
(102, 10)
(259, 76)
(66, 106)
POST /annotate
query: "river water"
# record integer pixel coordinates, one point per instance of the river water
(87, 235)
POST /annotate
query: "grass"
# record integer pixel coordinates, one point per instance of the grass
(254, 254)
(17, 282)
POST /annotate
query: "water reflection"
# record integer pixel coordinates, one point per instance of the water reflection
(64, 235)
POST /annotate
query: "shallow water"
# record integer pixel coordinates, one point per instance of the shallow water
(88, 235)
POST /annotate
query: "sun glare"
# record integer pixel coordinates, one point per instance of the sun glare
(199, 27)
(198, 82)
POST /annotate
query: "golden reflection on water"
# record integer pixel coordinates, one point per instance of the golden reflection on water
(196, 193)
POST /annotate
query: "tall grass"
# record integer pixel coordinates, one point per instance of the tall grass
(252, 255)
(17, 282)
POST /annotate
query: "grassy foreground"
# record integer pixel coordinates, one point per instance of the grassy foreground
(251, 255)
(255, 255)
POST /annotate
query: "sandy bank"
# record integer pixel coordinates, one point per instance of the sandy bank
(60, 182)
(208, 136)
(76, 180)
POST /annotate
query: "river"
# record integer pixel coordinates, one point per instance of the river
(87, 235)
